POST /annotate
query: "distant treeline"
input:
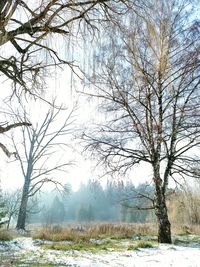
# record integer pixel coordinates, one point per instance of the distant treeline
(92, 202)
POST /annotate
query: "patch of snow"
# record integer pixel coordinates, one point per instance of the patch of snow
(161, 255)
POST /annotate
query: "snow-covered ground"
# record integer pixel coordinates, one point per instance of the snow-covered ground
(26, 251)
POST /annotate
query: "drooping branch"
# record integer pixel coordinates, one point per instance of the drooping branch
(44, 20)
(14, 125)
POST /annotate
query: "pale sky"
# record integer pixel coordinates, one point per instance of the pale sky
(60, 87)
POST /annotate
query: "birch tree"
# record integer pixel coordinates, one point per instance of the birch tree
(148, 86)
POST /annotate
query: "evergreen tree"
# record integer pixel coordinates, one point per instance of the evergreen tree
(90, 213)
(123, 212)
(130, 216)
(57, 211)
(82, 214)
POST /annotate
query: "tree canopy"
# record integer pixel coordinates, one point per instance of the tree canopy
(29, 31)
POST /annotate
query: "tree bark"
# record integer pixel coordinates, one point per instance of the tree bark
(164, 226)
(21, 220)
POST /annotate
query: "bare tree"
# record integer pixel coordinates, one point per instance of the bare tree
(37, 156)
(148, 85)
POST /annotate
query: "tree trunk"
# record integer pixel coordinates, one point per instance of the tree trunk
(164, 226)
(21, 220)
(8, 224)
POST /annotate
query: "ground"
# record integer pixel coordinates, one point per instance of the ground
(24, 251)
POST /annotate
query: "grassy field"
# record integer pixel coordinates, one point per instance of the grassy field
(86, 232)
(93, 231)
(55, 245)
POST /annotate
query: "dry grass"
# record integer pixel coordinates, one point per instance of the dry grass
(106, 230)
(125, 230)
(56, 233)
(100, 230)
(178, 229)
(5, 235)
